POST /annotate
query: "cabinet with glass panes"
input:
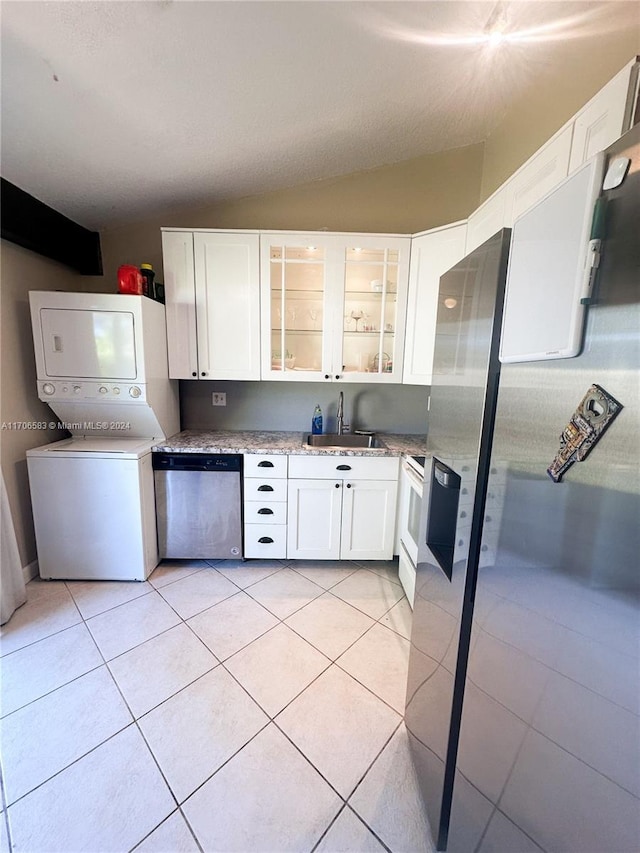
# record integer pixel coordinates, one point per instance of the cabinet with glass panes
(333, 306)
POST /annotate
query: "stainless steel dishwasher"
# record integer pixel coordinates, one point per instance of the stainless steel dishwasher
(198, 505)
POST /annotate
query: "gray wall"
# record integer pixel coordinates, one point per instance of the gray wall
(290, 405)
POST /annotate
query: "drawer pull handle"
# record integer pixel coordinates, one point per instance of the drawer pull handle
(343, 468)
(265, 511)
(265, 464)
(265, 540)
(265, 488)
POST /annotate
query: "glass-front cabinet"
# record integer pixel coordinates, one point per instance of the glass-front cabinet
(295, 305)
(333, 306)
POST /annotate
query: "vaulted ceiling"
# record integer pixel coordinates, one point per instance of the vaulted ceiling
(111, 110)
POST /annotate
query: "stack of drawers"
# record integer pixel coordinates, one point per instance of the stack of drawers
(265, 506)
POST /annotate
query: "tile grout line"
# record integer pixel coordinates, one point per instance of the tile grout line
(219, 662)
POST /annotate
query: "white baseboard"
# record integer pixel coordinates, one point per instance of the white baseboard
(31, 571)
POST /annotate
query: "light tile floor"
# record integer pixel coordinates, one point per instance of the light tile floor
(220, 706)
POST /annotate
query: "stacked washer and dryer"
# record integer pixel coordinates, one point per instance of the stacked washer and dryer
(101, 362)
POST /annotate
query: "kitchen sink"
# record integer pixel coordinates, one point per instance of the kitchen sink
(351, 440)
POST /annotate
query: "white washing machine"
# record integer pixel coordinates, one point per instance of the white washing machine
(94, 508)
(101, 362)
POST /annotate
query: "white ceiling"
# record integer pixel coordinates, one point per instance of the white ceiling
(115, 110)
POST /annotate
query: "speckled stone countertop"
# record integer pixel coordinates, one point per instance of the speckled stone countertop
(282, 443)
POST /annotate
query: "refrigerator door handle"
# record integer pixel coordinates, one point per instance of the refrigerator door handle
(445, 476)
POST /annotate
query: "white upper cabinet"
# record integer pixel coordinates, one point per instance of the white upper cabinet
(432, 254)
(228, 305)
(212, 293)
(593, 128)
(179, 289)
(297, 276)
(486, 220)
(333, 306)
(374, 280)
(539, 175)
(603, 119)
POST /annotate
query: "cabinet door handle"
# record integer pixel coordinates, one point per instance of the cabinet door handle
(204, 373)
(265, 488)
(337, 376)
(265, 540)
(343, 468)
(265, 511)
(348, 485)
(195, 373)
(337, 485)
(265, 464)
(326, 376)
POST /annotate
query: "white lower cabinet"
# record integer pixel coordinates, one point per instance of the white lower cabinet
(314, 519)
(341, 507)
(368, 519)
(265, 506)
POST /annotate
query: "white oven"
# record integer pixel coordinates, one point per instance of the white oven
(411, 488)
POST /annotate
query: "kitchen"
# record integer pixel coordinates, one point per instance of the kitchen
(253, 402)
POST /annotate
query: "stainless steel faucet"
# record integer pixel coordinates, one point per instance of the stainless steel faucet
(340, 414)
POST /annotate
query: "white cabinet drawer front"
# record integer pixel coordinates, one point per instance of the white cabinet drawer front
(265, 512)
(265, 490)
(407, 575)
(344, 467)
(267, 541)
(265, 465)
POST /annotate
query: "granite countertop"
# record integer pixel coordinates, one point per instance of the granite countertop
(282, 443)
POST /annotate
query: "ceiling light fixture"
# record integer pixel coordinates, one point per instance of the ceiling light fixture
(499, 30)
(495, 29)
(450, 302)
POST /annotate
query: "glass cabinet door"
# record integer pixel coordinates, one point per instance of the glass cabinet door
(333, 306)
(297, 286)
(370, 311)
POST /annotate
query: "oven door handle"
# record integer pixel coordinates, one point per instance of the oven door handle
(416, 480)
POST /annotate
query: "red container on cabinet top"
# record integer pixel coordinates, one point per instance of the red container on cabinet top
(129, 280)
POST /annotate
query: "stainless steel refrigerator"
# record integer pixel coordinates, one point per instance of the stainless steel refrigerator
(523, 693)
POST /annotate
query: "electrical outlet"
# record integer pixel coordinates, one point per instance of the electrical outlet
(218, 399)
